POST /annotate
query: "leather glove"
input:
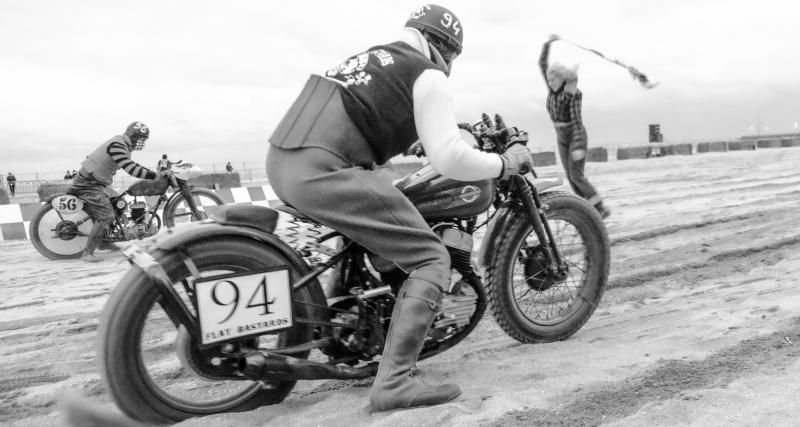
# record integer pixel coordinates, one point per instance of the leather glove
(517, 160)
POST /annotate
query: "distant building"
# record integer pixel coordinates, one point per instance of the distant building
(655, 133)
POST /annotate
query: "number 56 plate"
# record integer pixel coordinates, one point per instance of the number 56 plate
(242, 304)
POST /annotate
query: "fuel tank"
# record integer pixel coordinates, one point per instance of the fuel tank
(437, 197)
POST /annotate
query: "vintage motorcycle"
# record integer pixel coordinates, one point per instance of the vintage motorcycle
(60, 227)
(225, 315)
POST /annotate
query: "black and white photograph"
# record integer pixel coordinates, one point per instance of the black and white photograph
(394, 213)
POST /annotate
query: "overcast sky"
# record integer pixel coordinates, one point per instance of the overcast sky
(212, 79)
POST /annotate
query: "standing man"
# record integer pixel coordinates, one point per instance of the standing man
(322, 161)
(93, 182)
(229, 167)
(12, 183)
(564, 107)
(163, 164)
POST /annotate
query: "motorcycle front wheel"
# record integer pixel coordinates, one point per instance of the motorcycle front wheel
(59, 235)
(532, 304)
(177, 211)
(153, 369)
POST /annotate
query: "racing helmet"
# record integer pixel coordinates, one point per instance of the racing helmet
(442, 29)
(138, 133)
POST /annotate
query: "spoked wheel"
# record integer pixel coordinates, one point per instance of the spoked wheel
(532, 303)
(177, 211)
(59, 235)
(156, 372)
(153, 225)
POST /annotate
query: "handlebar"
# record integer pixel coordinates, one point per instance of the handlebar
(495, 136)
(491, 136)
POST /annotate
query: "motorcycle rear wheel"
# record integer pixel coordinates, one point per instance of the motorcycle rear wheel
(59, 236)
(177, 210)
(138, 345)
(533, 306)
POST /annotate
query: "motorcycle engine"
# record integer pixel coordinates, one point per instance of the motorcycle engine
(459, 245)
(119, 205)
(365, 339)
(139, 226)
(459, 304)
(138, 210)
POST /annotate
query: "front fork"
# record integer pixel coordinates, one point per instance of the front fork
(533, 208)
(184, 188)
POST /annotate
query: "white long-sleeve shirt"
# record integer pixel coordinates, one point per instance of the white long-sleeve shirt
(437, 128)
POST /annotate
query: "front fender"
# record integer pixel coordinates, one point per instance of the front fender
(176, 197)
(498, 223)
(490, 237)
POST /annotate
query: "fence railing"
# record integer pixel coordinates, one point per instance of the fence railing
(255, 173)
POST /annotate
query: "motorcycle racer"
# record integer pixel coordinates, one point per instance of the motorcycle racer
(94, 179)
(322, 160)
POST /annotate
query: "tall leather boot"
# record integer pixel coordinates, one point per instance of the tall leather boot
(95, 236)
(394, 387)
(604, 211)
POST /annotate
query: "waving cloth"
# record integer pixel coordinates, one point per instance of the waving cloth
(637, 75)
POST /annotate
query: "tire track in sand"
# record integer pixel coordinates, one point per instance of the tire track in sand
(667, 379)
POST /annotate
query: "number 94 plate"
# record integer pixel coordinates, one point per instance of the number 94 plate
(242, 304)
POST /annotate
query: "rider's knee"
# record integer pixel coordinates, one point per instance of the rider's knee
(578, 155)
(423, 290)
(103, 219)
(434, 268)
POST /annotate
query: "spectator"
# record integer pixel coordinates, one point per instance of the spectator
(229, 167)
(163, 164)
(12, 183)
(564, 107)
(67, 175)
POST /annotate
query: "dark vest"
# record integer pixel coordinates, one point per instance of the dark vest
(100, 164)
(376, 89)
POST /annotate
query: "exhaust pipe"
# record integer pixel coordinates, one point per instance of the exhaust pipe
(267, 366)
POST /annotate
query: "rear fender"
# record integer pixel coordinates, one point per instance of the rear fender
(501, 218)
(185, 234)
(53, 196)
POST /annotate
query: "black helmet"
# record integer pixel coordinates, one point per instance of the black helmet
(138, 133)
(441, 28)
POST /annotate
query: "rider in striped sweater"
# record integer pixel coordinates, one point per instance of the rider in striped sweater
(93, 182)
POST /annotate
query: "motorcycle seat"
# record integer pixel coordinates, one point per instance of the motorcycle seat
(253, 216)
(289, 209)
